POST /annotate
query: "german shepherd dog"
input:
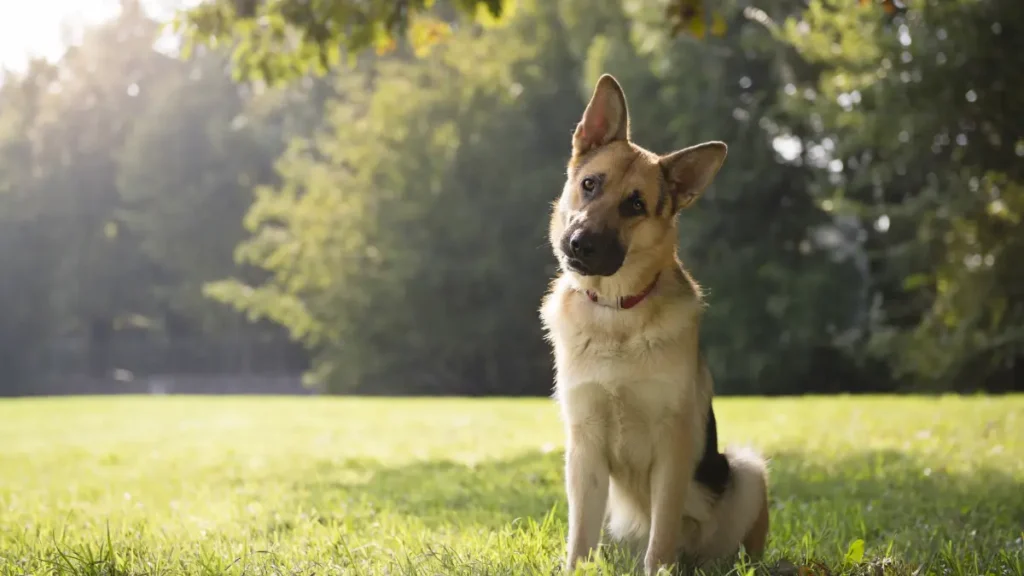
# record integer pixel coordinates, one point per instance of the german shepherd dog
(634, 390)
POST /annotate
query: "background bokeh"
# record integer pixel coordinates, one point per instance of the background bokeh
(379, 227)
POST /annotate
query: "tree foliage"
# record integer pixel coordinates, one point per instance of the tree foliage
(276, 40)
(123, 180)
(923, 121)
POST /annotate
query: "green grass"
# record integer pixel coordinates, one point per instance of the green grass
(411, 486)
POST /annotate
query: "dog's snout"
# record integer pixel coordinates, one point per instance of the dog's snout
(593, 252)
(581, 244)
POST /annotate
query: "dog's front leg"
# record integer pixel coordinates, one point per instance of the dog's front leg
(586, 482)
(670, 482)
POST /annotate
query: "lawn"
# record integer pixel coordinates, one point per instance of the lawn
(233, 485)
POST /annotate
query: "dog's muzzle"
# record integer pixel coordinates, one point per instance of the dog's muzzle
(593, 253)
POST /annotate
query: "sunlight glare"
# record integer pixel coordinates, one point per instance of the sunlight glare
(44, 28)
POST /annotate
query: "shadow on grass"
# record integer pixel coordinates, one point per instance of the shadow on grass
(490, 494)
(895, 503)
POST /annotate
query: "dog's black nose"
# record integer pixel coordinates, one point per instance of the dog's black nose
(593, 252)
(581, 244)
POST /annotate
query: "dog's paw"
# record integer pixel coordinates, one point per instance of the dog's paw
(656, 564)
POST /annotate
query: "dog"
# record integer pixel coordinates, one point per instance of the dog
(634, 390)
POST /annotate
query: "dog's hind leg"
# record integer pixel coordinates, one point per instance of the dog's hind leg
(740, 516)
(757, 537)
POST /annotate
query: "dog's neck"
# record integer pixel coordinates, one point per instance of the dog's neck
(623, 302)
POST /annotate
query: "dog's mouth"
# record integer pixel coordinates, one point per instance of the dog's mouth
(576, 265)
(599, 268)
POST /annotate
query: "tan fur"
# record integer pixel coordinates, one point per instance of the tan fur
(757, 537)
(632, 386)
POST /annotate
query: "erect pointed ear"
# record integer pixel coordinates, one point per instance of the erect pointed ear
(606, 118)
(689, 171)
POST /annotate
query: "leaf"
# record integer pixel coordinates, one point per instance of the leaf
(855, 553)
(426, 32)
(915, 281)
(718, 25)
(691, 18)
(486, 17)
(382, 40)
(385, 46)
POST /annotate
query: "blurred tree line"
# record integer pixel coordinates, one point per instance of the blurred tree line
(124, 176)
(387, 210)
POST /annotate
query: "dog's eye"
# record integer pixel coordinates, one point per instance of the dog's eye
(589, 183)
(633, 205)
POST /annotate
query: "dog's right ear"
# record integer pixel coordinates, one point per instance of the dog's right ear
(605, 120)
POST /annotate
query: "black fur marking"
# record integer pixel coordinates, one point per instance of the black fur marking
(630, 208)
(713, 468)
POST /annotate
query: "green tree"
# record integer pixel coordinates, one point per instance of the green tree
(407, 240)
(27, 254)
(83, 119)
(918, 118)
(124, 175)
(185, 175)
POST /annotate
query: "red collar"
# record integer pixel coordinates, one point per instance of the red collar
(627, 302)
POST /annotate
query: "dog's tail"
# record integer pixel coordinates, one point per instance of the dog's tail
(741, 513)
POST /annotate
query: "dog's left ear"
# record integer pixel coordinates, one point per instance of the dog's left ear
(689, 171)
(606, 118)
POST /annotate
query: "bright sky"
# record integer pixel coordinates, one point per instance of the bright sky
(40, 27)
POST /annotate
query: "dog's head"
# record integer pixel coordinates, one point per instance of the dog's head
(617, 213)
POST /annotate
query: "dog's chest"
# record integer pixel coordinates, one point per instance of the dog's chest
(622, 394)
(610, 360)
(621, 377)
(631, 429)
(624, 423)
